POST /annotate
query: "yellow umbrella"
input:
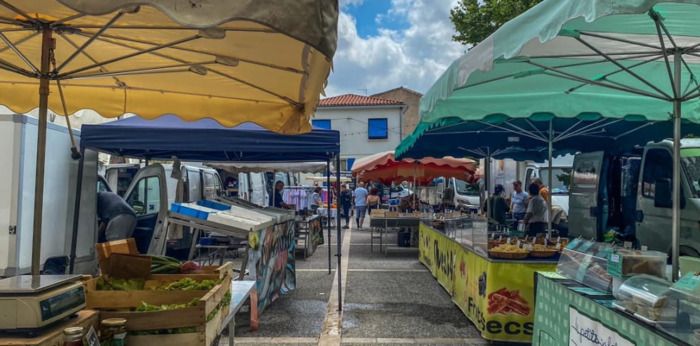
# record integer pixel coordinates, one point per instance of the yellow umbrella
(264, 61)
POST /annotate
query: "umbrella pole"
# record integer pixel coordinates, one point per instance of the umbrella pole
(549, 183)
(46, 42)
(328, 183)
(487, 177)
(676, 219)
(339, 239)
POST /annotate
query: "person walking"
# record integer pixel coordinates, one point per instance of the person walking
(518, 202)
(316, 200)
(360, 196)
(346, 204)
(536, 214)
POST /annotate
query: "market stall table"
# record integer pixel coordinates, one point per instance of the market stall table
(497, 295)
(566, 309)
(384, 224)
(310, 232)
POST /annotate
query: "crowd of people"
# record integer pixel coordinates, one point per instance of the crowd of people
(529, 209)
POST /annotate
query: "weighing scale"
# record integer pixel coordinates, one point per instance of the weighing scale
(29, 303)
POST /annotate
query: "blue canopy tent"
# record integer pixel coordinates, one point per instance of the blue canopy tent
(206, 140)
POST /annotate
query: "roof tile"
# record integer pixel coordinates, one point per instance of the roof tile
(356, 100)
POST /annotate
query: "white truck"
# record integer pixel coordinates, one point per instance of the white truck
(631, 193)
(18, 137)
(561, 168)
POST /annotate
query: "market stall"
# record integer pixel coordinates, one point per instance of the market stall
(385, 168)
(616, 294)
(205, 140)
(489, 277)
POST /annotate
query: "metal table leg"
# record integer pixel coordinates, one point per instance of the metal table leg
(231, 330)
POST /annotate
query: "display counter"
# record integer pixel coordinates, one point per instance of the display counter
(497, 295)
(570, 313)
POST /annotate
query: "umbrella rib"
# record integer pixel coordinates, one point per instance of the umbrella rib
(140, 71)
(535, 127)
(605, 76)
(18, 52)
(16, 69)
(571, 128)
(600, 124)
(566, 75)
(90, 40)
(611, 38)
(676, 93)
(526, 134)
(12, 21)
(617, 63)
(67, 19)
(166, 27)
(87, 55)
(590, 55)
(632, 130)
(15, 10)
(131, 55)
(20, 41)
(287, 99)
(189, 50)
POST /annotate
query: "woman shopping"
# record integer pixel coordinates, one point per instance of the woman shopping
(536, 215)
(373, 200)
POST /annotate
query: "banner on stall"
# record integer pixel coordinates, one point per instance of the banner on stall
(498, 297)
(271, 262)
(585, 331)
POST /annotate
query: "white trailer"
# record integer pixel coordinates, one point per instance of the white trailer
(18, 138)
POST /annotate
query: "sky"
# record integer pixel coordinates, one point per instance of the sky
(384, 44)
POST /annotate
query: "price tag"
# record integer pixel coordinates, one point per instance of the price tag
(91, 338)
(615, 265)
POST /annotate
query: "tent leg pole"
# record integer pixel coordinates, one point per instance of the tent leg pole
(328, 184)
(76, 213)
(339, 240)
(549, 181)
(676, 219)
(46, 42)
(487, 178)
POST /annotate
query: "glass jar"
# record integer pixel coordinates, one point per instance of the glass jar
(113, 332)
(73, 336)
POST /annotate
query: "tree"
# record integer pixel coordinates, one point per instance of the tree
(475, 20)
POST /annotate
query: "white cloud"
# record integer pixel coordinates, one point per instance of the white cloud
(344, 3)
(414, 57)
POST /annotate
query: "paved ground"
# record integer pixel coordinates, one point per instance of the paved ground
(388, 300)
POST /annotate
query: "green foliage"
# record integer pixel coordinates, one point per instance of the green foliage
(475, 20)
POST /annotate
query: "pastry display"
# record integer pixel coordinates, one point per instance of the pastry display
(646, 296)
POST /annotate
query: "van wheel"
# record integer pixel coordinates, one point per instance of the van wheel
(688, 251)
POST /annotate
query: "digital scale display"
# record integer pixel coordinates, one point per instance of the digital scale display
(61, 303)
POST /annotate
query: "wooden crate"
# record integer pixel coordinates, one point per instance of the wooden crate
(118, 300)
(194, 316)
(53, 335)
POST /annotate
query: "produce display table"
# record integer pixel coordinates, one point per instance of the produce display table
(567, 317)
(53, 336)
(241, 291)
(498, 296)
(382, 225)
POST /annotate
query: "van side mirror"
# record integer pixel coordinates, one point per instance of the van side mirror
(662, 194)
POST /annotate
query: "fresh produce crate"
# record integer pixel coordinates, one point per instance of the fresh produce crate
(196, 319)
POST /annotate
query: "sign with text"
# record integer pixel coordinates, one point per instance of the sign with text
(585, 331)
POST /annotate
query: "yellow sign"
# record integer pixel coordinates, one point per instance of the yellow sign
(498, 297)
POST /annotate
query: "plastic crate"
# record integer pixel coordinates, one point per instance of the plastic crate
(213, 205)
(189, 210)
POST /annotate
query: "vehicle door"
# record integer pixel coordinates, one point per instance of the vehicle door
(585, 213)
(212, 184)
(147, 195)
(654, 224)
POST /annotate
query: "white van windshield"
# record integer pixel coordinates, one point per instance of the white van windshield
(560, 180)
(466, 189)
(691, 162)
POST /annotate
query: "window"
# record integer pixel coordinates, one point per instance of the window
(212, 186)
(324, 124)
(348, 163)
(658, 164)
(145, 198)
(377, 128)
(194, 183)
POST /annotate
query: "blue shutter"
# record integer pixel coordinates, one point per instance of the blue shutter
(324, 124)
(377, 128)
(350, 161)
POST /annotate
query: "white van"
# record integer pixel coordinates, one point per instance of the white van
(632, 193)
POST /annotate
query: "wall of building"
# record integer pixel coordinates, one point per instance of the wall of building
(412, 101)
(352, 124)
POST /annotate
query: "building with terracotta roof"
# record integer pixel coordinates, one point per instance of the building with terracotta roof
(367, 124)
(411, 101)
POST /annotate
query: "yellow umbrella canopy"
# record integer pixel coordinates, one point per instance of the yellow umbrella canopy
(264, 61)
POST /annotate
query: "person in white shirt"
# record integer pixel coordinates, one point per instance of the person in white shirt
(360, 196)
(518, 202)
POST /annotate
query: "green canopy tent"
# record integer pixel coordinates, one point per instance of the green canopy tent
(612, 59)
